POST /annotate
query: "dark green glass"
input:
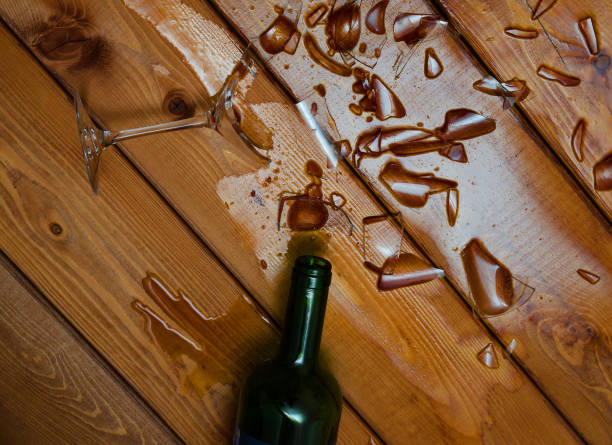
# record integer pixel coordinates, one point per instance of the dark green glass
(289, 400)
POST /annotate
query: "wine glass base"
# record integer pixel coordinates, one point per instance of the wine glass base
(92, 140)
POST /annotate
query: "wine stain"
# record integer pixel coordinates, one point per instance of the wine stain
(363, 46)
(321, 59)
(411, 28)
(541, 7)
(308, 211)
(521, 33)
(355, 109)
(251, 125)
(186, 350)
(315, 15)
(292, 44)
(402, 270)
(511, 346)
(463, 123)
(587, 29)
(337, 200)
(69, 39)
(377, 96)
(491, 282)
(405, 141)
(578, 140)
(412, 189)
(452, 206)
(320, 89)
(375, 18)
(433, 67)
(342, 148)
(313, 169)
(374, 219)
(512, 91)
(602, 173)
(549, 73)
(455, 151)
(278, 35)
(488, 357)
(344, 27)
(591, 277)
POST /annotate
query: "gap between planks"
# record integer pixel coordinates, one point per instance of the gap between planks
(187, 225)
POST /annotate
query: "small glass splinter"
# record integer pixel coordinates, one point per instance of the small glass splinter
(95, 140)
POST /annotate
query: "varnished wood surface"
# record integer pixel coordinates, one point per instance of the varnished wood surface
(54, 388)
(88, 255)
(514, 196)
(554, 109)
(406, 360)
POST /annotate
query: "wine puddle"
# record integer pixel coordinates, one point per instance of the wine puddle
(488, 357)
(588, 276)
(493, 289)
(188, 337)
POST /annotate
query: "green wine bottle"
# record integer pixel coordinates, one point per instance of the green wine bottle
(289, 400)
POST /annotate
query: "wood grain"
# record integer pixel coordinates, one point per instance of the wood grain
(555, 110)
(54, 388)
(514, 197)
(88, 255)
(406, 360)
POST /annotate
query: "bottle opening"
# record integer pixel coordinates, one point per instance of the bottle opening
(318, 270)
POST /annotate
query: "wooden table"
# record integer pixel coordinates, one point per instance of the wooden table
(88, 356)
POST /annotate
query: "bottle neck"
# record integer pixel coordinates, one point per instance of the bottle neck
(305, 313)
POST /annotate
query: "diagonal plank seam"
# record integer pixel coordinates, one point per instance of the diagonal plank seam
(356, 174)
(54, 311)
(157, 193)
(529, 125)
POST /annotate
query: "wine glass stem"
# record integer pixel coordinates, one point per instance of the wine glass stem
(204, 120)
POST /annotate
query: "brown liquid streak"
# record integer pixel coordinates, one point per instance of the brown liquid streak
(412, 189)
(344, 27)
(411, 28)
(315, 53)
(433, 67)
(375, 18)
(521, 33)
(602, 173)
(274, 39)
(555, 75)
(315, 16)
(488, 357)
(489, 280)
(587, 29)
(578, 140)
(590, 277)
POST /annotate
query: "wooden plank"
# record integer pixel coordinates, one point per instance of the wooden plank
(514, 197)
(554, 109)
(54, 388)
(418, 345)
(88, 254)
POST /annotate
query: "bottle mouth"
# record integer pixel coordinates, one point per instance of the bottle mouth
(316, 270)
